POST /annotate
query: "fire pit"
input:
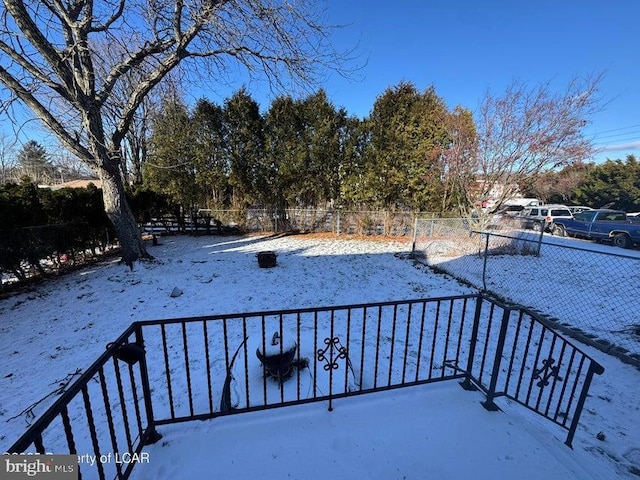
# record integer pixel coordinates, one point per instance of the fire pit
(276, 358)
(266, 259)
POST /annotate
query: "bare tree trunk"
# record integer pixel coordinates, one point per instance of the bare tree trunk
(121, 216)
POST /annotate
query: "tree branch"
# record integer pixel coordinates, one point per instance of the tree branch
(45, 115)
(37, 39)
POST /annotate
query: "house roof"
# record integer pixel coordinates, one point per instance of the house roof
(77, 184)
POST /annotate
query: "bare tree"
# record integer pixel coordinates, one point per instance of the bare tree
(7, 158)
(134, 145)
(49, 50)
(67, 166)
(458, 158)
(527, 131)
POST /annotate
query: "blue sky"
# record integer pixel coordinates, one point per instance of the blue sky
(464, 47)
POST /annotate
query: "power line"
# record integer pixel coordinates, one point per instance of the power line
(619, 141)
(618, 129)
(633, 132)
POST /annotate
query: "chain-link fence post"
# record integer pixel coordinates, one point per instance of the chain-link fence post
(540, 237)
(415, 233)
(484, 263)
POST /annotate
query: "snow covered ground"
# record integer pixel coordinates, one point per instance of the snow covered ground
(604, 280)
(62, 325)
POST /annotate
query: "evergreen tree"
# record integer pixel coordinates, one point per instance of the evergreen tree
(244, 143)
(285, 152)
(210, 159)
(355, 139)
(170, 168)
(34, 162)
(613, 184)
(408, 135)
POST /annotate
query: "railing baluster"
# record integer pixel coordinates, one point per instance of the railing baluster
(406, 343)
(246, 363)
(264, 369)
(123, 404)
(525, 356)
(593, 369)
(150, 434)
(393, 342)
(446, 342)
(435, 337)
(136, 405)
(92, 431)
(549, 359)
(535, 364)
(574, 388)
(553, 386)
(68, 431)
(462, 325)
(375, 374)
(489, 404)
(38, 443)
(347, 366)
(207, 358)
(281, 333)
(364, 342)
(422, 318)
(315, 356)
(512, 358)
(107, 406)
(167, 369)
(564, 387)
(467, 383)
(187, 366)
(227, 356)
(330, 365)
(486, 342)
(298, 320)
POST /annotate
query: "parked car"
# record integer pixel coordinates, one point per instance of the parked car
(509, 210)
(504, 217)
(542, 218)
(578, 208)
(634, 217)
(602, 224)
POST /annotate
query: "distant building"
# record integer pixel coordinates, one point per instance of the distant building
(77, 184)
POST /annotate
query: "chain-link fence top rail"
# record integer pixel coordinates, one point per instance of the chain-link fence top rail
(591, 292)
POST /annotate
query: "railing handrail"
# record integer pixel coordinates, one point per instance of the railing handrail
(64, 399)
(259, 313)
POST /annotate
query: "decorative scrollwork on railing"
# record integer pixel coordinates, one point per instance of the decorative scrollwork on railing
(546, 372)
(331, 360)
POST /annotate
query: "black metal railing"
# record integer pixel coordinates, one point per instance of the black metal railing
(105, 417)
(204, 367)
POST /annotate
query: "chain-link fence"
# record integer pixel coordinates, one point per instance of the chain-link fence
(316, 220)
(589, 288)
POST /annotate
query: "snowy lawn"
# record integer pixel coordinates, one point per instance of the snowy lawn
(58, 327)
(604, 280)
